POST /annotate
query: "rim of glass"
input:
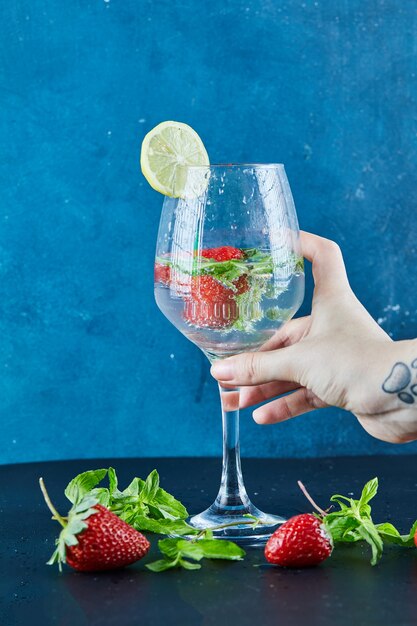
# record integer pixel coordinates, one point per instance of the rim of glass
(231, 165)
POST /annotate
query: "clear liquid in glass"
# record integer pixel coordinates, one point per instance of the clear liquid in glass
(225, 329)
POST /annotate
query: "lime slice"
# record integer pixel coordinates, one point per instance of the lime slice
(166, 149)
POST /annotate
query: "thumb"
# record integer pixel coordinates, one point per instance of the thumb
(329, 270)
(255, 368)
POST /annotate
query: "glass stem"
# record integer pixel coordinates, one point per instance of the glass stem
(232, 496)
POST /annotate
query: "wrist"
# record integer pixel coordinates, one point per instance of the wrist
(384, 370)
(391, 413)
(401, 372)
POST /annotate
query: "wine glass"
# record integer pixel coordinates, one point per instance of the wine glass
(228, 274)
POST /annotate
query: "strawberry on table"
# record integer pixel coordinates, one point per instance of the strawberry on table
(93, 538)
(107, 543)
(302, 541)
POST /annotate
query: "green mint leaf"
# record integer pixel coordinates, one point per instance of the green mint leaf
(132, 489)
(150, 487)
(171, 547)
(112, 481)
(83, 483)
(249, 252)
(203, 548)
(163, 526)
(190, 549)
(276, 314)
(220, 549)
(188, 564)
(368, 492)
(388, 530)
(389, 534)
(262, 266)
(102, 494)
(168, 505)
(155, 512)
(162, 565)
(130, 515)
(341, 527)
(253, 255)
(226, 272)
(364, 510)
(84, 507)
(339, 499)
(370, 534)
(299, 265)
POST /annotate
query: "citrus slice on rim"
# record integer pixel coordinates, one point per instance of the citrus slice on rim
(166, 152)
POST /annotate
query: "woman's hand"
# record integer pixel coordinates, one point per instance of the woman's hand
(336, 356)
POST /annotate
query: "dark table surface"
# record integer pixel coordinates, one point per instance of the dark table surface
(343, 590)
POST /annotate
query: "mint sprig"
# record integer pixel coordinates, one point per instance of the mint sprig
(226, 272)
(147, 507)
(187, 554)
(353, 522)
(143, 503)
(255, 263)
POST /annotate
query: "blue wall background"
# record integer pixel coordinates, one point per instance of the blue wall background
(88, 365)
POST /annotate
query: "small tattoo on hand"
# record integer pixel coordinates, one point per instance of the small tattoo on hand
(399, 379)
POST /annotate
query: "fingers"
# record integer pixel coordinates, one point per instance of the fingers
(255, 368)
(260, 393)
(328, 266)
(229, 399)
(301, 401)
(289, 333)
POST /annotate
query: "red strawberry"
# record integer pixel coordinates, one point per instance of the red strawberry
(211, 304)
(93, 538)
(302, 541)
(162, 273)
(224, 253)
(107, 543)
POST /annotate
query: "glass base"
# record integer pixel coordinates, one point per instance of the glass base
(241, 532)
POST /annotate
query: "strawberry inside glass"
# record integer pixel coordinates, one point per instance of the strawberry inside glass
(228, 273)
(208, 300)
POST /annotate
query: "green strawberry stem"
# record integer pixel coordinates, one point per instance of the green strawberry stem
(49, 504)
(310, 499)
